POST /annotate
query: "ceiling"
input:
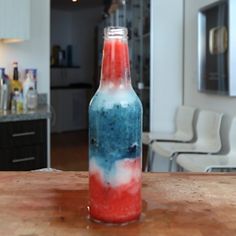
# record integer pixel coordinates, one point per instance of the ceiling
(81, 4)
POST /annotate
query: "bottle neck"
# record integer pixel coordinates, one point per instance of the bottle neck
(115, 63)
(15, 73)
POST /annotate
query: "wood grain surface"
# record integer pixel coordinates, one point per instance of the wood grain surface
(55, 203)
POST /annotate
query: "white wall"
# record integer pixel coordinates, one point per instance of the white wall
(166, 62)
(77, 28)
(191, 95)
(33, 53)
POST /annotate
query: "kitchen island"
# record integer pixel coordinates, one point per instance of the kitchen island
(55, 203)
(24, 138)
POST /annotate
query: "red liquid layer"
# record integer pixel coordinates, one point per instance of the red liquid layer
(115, 204)
(115, 65)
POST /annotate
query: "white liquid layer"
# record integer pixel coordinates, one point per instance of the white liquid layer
(109, 97)
(122, 172)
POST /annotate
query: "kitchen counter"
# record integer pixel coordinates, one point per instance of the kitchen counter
(42, 112)
(55, 203)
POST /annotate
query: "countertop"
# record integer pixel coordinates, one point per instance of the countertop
(42, 112)
(55, 203)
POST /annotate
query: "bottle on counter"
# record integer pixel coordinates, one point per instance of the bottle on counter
(15, 82)
(4, 90)
(115, 128)
(31, 99)
(19, 101)
(14, 100)
(28, 83)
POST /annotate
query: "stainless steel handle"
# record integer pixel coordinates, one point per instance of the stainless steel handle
(23, 159)
(23, 134)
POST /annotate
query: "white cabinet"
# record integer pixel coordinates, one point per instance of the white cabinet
(14, 20)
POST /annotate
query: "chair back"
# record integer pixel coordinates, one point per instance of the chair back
(232, 137)
(184, 122)
(208, 129)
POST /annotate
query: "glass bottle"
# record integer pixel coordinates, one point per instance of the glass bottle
(14, 100)
(15, 82)
(31, 99)
(4, 90)
(15, 71)
(115, 127)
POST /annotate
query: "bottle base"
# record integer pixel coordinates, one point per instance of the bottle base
(114, 220)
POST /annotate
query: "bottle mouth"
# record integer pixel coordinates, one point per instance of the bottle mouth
(115, 32)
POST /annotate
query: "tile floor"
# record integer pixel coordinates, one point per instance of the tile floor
(69, 151)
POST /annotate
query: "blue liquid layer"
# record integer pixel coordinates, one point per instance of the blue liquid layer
(115, 126)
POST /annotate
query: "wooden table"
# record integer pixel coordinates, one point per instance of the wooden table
(53, 204)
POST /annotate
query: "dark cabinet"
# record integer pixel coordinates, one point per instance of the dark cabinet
(23, 145)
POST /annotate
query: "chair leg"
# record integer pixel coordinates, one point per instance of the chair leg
(147, 164)
(171, 161)
(170, 164)
(151, 160)
(174, 159)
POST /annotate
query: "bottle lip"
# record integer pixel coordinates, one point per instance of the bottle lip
(117, 32)
(15, 64)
